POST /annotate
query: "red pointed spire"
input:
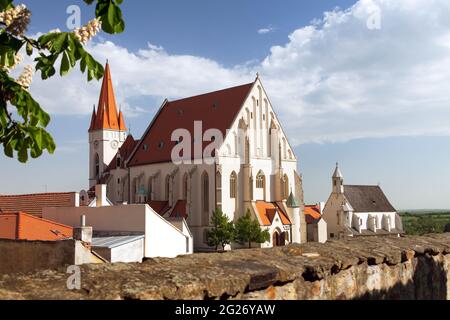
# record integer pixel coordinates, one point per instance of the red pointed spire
(107, 117)
(122, 126)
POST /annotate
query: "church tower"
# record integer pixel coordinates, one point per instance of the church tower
(338, 181)
(107, 131)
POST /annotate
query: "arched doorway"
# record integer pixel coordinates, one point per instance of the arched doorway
(279, 238)
(275, 239)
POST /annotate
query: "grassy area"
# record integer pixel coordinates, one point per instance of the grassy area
(415, 223)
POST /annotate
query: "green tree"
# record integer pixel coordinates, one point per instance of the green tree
(222, 232)
(248, 231)
(447, 227)
(22, 120)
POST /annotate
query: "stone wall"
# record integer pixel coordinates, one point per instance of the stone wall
(19, 256)
(364, 268)
(26, 256)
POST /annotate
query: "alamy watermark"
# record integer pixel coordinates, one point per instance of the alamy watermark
(74, 280)
(74, 20)
(374, 20)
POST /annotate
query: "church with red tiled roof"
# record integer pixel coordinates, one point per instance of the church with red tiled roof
(224, 149)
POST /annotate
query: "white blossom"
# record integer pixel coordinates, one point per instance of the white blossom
(16, 19)
(87, 32)
(26, 77)
(18, 58)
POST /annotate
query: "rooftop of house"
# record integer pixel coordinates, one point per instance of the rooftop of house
(34, 203)
(267, 211)
(312, 214)
(179, 211)
(124, 153)
(114, 241)
(22, 226)
(216, 110)
(367, 199)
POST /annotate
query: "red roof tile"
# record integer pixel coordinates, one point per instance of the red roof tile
(21, 226)
(34, 203)
(312, 214)
(160, 207)
(179, 210)
(267, 210)
(124, 152)
(216, 110)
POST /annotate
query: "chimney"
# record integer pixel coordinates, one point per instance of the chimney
(100, 195)
(83, 233)
(76, 200)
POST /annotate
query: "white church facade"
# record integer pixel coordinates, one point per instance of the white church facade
(225, 149)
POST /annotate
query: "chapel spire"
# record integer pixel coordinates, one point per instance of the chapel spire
(93, 117)
(107, 116)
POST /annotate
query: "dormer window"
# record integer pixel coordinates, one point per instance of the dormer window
(145, 147)
(161, 145)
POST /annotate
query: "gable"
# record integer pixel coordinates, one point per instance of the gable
(216, 110)
(267, 211)
(257, 112)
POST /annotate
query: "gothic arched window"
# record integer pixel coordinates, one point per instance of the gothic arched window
(205, 198)
(260, 180)
(233, 185)
(97, 166)
(285, 186)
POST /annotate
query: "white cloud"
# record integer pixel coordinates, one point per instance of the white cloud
(333, 80)
(266, 30)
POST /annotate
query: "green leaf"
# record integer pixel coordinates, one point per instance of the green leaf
(23, 154)
(111, 16)
(8, 150)
(60, 42)
(65, 64)
(6, 4)
(29, 49)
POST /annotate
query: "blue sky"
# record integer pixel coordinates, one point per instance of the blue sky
(343, 91)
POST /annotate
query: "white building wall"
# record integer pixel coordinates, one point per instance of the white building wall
(161, 238)
(195, 219)
(364, 216)
(129, 252)
(322, 231)
(332, 207)
(100, 143)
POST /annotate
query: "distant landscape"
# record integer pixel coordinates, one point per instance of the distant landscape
(419, 222)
